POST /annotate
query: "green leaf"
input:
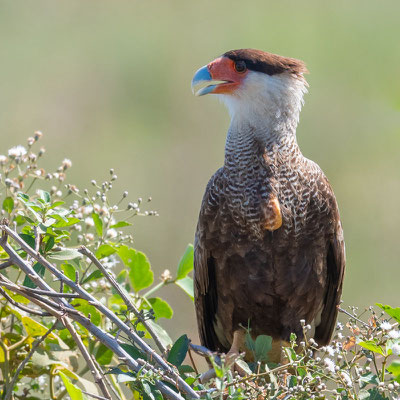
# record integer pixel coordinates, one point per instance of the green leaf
(104, 355)
(56, 204)
(62, 223)
(65, 254)
(161, 333)
(140, 273)
(49, 244)
(372, 346)
(250, 343)
(86, 308)
(120, 224)
(24, 197)
(178, 351)
(98, 224)
(185, 369)
(40, 270)
(105, 250)
(45, 196)
(69, 271)
(150, 391)
(8, 204)
(186, 263)
(74, 392)
(187, 285)
(394, 368)
(161, 308)
(133, 351)
(371, 394)
(393, 312)
(93, 276)
(122, 376)
(32, 327)
(263, 345)
(369, 378)
(28, 239)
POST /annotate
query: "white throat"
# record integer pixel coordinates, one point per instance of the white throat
(269, 104)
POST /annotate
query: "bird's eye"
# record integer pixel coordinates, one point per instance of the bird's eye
(240, 66)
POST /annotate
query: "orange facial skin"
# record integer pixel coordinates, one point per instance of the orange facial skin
(223, 69)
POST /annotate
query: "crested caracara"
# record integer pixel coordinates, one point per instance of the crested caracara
(269, 249)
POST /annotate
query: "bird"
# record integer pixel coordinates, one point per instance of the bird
(269, 252)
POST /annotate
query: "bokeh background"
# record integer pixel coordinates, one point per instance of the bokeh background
(108, 83)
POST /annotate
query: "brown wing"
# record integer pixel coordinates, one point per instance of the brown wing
(336, 262)
(205, 287)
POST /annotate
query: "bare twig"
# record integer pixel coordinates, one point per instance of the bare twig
(95, 396)
(21, 366)
(52, 294)
(125, 297)
(22, 307)
(6, 264)
(353, 316)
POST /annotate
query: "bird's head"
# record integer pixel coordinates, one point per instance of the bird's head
(254, 82)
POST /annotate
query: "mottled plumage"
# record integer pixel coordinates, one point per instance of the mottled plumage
(269, 247)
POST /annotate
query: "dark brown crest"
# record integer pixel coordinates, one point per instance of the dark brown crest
(268, 63)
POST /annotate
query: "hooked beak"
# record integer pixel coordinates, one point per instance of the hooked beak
(203, 83)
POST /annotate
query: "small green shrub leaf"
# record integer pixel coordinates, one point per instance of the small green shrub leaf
(393, 312)
(161, 308)
(28, 239)
(69, 271)
(32, 327)
(178, 351)
(104, 355)
(186, 263)
(187, 285)
(65, 254)
(133, 351)
(161, 333)
(8, 204)
(372, 346)
(120, 224)
(140, 273)
(98, 224)
(394, 368)
(263, 345)
(45, 196)
(93, 276)
(74, 392)
(40, 270)
(105, 250)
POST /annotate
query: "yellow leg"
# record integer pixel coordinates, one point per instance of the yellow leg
(234, 351)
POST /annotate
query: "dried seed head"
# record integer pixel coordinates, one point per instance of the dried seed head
(37, 135)
(66, 164)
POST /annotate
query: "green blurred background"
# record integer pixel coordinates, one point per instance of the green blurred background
(108, 83)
